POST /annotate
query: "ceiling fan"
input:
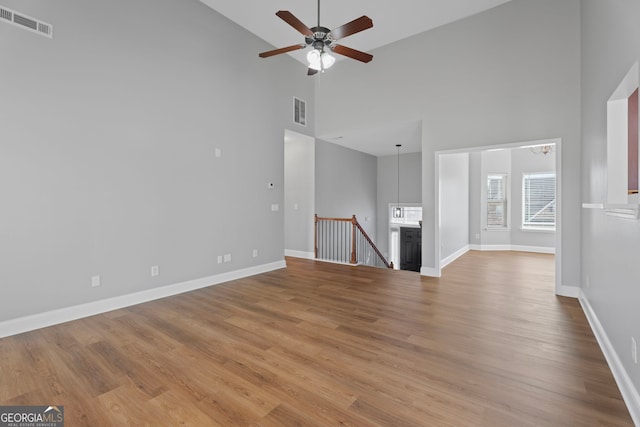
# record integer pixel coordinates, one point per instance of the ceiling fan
(320, 37)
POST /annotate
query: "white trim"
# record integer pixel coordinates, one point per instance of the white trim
(593, 205)
(54, 317)
(491, 247)
(454, 256)
(328, 261)
(518, 248)
(530, 229)
(627, 389)
(435, 272)
(299, 254)
(536, 249)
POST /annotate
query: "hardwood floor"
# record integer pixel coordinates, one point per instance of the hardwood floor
(318, 344)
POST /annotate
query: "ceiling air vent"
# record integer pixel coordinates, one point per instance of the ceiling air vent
(26, 22)
(299, 111)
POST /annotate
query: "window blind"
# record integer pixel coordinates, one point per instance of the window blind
(539, 200)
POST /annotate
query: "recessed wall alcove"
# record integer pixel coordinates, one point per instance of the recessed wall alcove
(622, 198)
(622, 141)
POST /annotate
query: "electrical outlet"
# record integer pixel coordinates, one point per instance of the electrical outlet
(95, 281)
(227, 257)
(634, 350)
(218, 153)
(255, 253)
(155, 270)
(275, 207)
(477, 236)
(219, 259)
(587, 283)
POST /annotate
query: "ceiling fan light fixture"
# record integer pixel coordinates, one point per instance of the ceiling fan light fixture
(320, 60)
(319, 38)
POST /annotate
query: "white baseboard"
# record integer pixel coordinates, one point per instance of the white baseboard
(627, 389)
(54, 317)
(518, 248)
(490, 247)
(299, 254)
(448, 260)
(536, 249)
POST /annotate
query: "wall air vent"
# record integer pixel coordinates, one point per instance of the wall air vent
(299, 111)
(25, 22)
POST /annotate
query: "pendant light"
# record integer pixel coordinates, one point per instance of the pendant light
(398, 211)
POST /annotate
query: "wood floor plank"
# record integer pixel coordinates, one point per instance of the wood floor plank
(487, 344)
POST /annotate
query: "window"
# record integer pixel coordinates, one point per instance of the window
(496, 201)
(539, 200)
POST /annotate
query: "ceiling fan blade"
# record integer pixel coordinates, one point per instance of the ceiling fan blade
(281, 50)
(352, 53)
(288, 17)
(312, 72)
(355, 26)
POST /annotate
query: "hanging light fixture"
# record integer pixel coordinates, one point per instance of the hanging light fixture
(398, 211)
(320, 60)
(541, 149)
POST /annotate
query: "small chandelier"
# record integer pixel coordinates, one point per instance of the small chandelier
(398, 211)
(541, 149)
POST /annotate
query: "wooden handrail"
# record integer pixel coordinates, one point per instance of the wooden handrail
(375, 248)
(334, 219)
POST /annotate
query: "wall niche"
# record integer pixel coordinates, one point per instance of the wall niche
(623, 173)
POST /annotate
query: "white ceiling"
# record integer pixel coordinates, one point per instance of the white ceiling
(392, 21)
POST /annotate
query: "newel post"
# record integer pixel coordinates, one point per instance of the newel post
(315, 235)
(354, 222)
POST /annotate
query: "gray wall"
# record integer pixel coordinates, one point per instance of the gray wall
(346, 184)
(454, 204)
(476, 187)
(507, 75)
(410, 190)
(610, 246)
(107, 162)
(299, 192)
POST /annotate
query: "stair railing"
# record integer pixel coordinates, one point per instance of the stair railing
(344, 240)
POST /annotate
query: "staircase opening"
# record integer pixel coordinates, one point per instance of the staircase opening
(343, 240)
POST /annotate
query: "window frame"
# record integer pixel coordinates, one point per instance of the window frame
(541, 226)
(503, 202)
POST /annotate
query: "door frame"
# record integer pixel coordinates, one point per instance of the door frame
(559, 288)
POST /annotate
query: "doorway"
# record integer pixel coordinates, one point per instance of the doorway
(411, 220)
(475, 234)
